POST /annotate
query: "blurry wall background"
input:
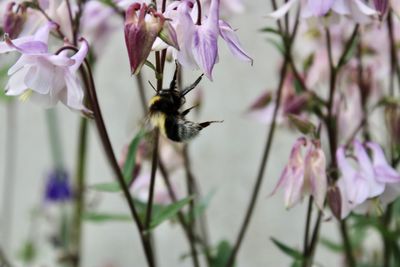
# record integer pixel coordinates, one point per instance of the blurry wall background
(225, 158)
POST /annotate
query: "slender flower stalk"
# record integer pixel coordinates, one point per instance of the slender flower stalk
(113, 161)
(331, 125)
(79, 192)
(260, 175)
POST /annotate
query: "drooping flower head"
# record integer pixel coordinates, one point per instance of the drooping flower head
(365, 179)
(304, 175)
(142, 26)
(43, 76)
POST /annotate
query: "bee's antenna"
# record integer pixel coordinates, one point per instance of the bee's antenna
(172, 85)
(191, 87)
(152, 86)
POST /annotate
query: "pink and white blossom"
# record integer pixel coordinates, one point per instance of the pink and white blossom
(304, 174)
(45, 77)
(366, 179)
(355, 9)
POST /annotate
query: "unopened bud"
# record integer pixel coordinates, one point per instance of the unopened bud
(335, 201)
(142, 26)
(14, 20)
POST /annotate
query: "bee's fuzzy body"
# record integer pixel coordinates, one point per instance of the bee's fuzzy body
(166, 115)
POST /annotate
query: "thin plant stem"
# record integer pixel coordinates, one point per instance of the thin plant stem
(71, 20)
(154, 164)
(4, 261)
(387, 247)
(307, 232)
(102, 130)
(347, 245)
(260, 175)
(9, 175)
(332, 131)
(79, 192)
(142, 93)
(181, 218)
(190, 192)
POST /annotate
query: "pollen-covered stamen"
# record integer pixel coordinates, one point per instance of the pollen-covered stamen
(25, 95)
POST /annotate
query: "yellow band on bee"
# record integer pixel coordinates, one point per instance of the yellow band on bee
(158, 120)
(154, 99)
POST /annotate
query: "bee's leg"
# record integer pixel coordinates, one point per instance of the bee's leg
(191, 87)
(207, 123)
(172, 85)
(186, 111)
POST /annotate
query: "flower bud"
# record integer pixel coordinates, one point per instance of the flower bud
(335, 201)
(381, 6)
(14, 21)
(168, 35)
(392, 115)
(142, 26)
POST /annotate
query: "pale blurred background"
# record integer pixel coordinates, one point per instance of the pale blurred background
(225, 158)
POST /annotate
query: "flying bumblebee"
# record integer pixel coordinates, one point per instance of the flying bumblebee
(165, 112)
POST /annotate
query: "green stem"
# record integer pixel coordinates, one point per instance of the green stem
(190, 192)
(79, 192)
(260, 175)
(4, 262)
(307, 233)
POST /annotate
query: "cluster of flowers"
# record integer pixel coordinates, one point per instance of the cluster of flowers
(364, 185)
(190, 36)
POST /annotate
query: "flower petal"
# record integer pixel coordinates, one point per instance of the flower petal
(383, 171)
(228, 34)
(280, 12)
(80, 56)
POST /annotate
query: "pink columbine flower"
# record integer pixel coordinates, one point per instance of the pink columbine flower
(142, 26)
(304, 175)
(356, 9)
(357, 185)
(199, 43)
(45, 77)
(292, 103)
(97, 25)
(141, 187)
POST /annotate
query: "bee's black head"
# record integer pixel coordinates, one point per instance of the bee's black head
(167, 101)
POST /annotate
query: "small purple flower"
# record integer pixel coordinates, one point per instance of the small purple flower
(58, 188)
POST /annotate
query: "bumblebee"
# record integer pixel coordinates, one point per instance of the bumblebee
(165, 112)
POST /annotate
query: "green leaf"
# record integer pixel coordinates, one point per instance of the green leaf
(270, 30)
(223, 252)
(97, 217)
(293, 253)
(167, 212)
(127, 170)
(28, 252)
(303, 125)
(130, 161)
(278, 45)
(332, 246)
(201, 206)
(151, 66)
(106, 187)
(3, 81)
